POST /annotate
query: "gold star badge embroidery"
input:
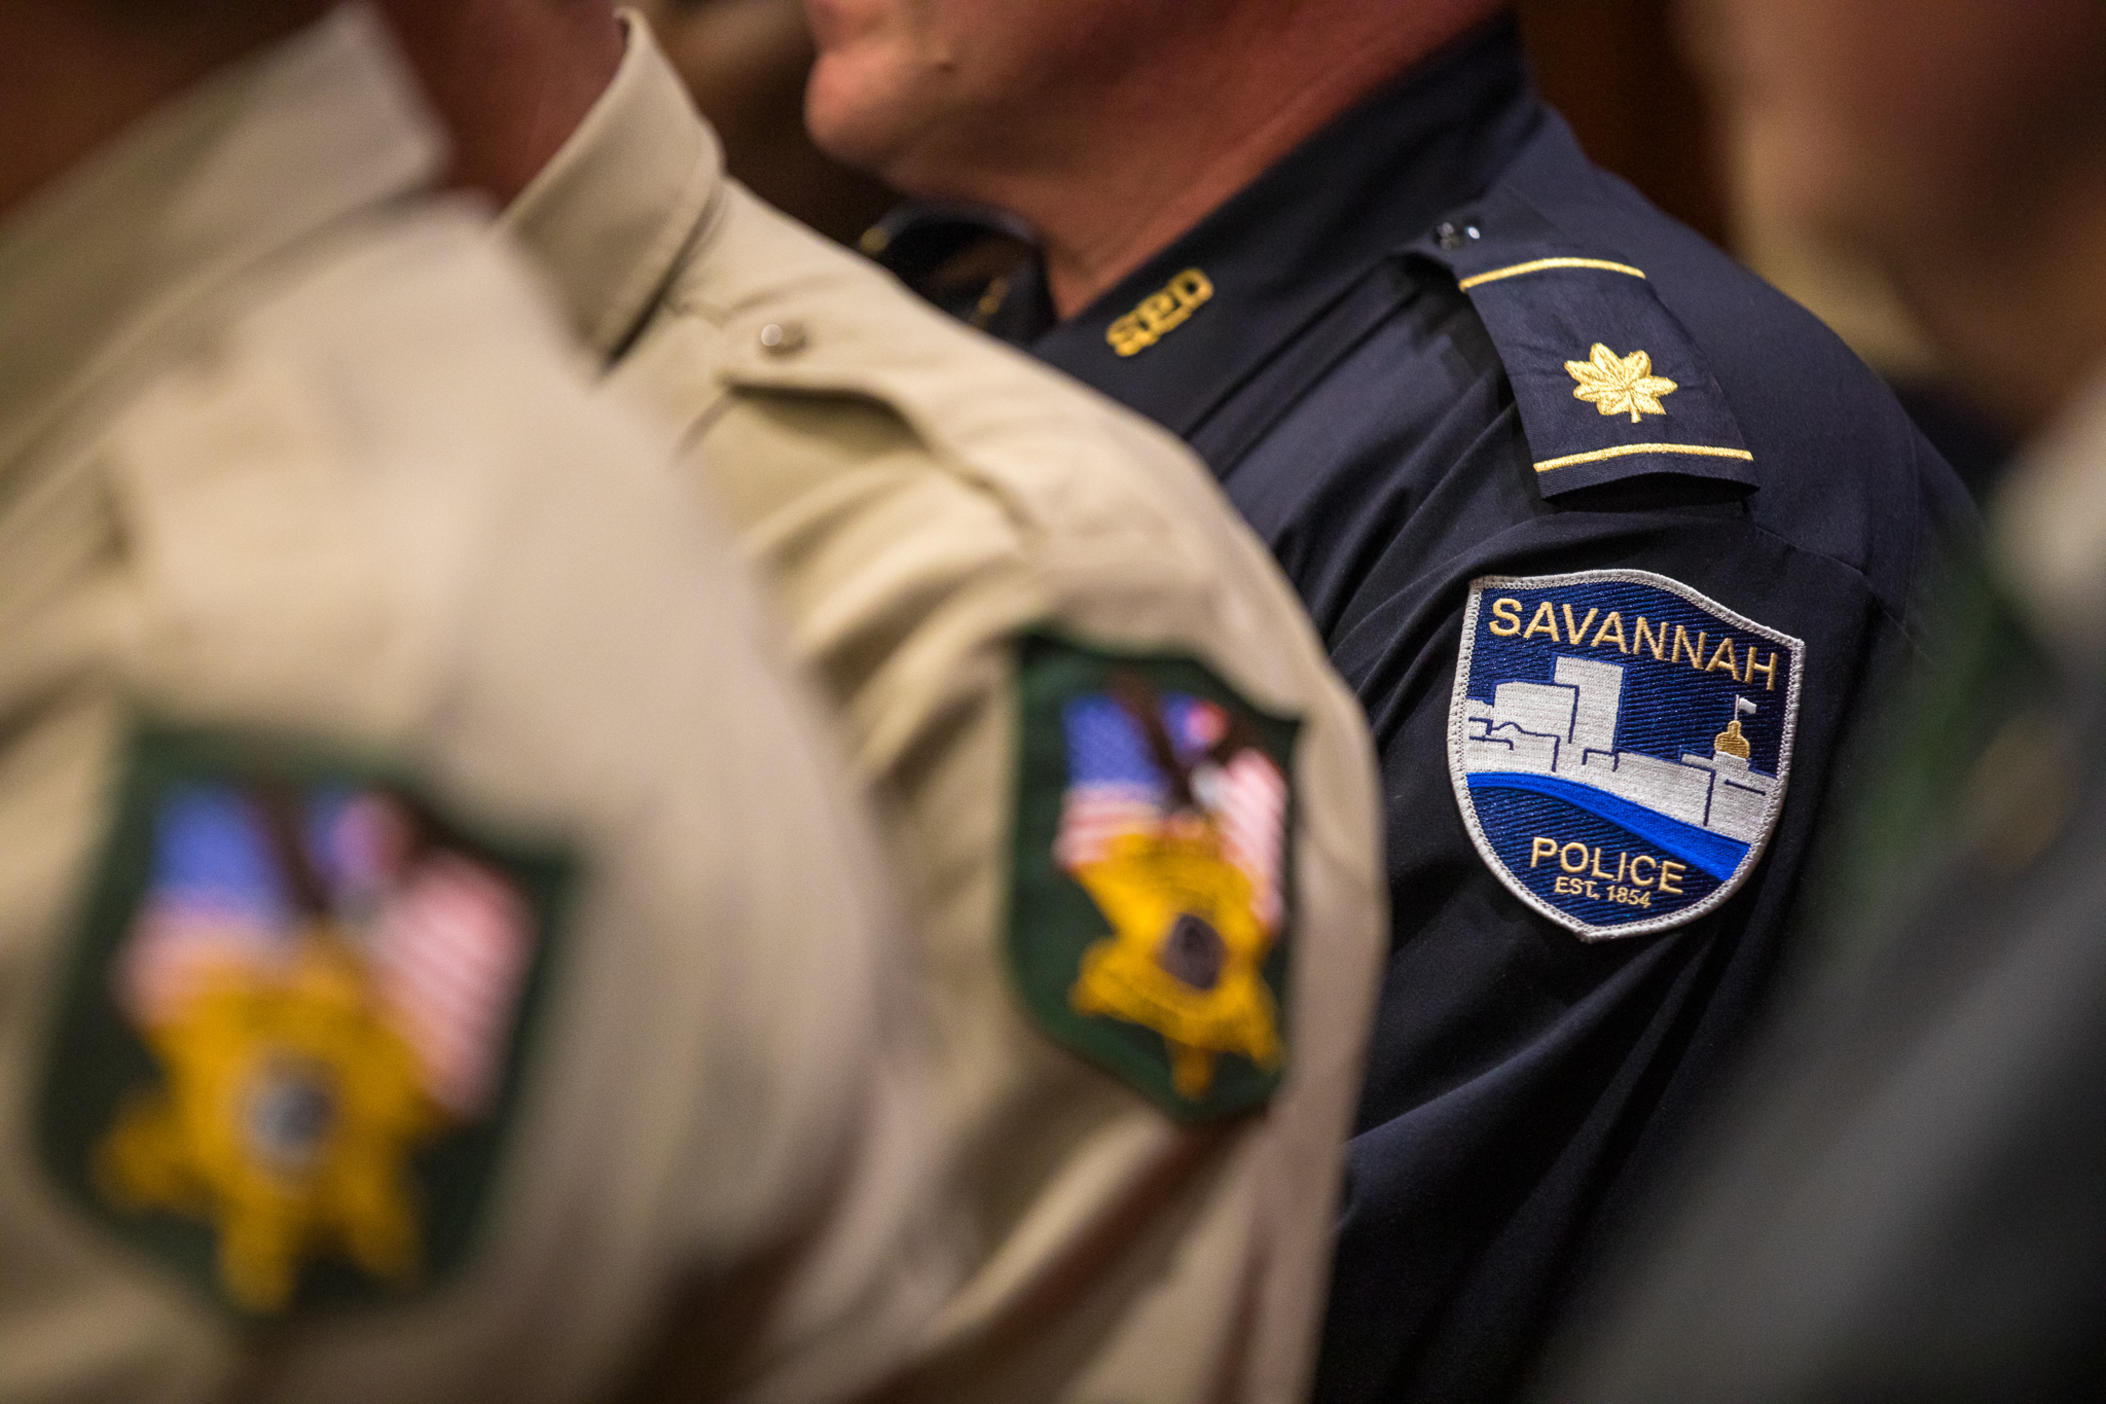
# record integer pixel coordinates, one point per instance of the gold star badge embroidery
(1185, 951)
(1620, 384)
(288, 1118)
(284, 1062)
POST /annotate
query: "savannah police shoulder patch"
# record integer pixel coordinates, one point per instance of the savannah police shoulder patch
(1152, 905)
(289, 1041)
(1619, 744)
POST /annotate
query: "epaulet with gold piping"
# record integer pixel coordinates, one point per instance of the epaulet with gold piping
(1608, 383)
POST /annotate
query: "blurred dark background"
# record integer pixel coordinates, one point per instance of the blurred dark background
(1617, 70)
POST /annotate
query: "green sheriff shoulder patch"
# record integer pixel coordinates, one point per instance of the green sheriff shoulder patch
(1152, 906)
(290, 1038)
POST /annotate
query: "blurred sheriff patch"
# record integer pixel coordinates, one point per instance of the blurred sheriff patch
(1154, 801)
(290, 1036)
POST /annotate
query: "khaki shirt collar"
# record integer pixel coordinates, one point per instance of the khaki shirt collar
(2048, 530)
(609, 217)
(250, 162)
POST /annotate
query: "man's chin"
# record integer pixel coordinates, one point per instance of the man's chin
(849, 116)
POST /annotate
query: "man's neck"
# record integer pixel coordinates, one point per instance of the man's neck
(1150, 162)
(511, 79)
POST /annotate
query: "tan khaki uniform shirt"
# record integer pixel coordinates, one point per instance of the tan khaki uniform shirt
(922, 498)
(288, 451)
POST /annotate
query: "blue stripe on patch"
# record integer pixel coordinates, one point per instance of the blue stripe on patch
(1714, 853)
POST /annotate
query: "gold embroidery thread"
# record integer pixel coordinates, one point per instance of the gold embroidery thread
(1620, 384)
(1160, 313)
(1573, 460)
(1166, 889)
(288, 1118)
(1547, 265)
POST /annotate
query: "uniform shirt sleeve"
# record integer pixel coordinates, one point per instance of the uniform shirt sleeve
(909, 592)
(332, 532)
(921, 502)
(1522, 1079)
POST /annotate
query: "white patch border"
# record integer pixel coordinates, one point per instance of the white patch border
(1457, 731)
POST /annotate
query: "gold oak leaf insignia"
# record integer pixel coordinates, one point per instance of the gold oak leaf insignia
(1620, 384)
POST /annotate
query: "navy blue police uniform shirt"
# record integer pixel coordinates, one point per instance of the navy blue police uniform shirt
(1613, 542)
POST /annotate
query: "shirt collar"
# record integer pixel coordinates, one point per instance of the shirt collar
(1284, 249)
(256, 158)
(610, 215)
(2048, 531)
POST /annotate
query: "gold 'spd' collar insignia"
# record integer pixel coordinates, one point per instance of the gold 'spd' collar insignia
(1592, 354)
(1151, 913)
(1160, 313)
(289, 1042)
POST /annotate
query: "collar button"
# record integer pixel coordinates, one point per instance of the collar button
(1453, 236)
(783, 338)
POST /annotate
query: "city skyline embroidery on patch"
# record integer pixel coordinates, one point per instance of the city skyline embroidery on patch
(1619, 744)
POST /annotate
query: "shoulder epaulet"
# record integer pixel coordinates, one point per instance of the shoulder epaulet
(1607, 382)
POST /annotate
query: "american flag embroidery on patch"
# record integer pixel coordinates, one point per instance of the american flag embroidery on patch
(1117, 786)
(444, 939)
